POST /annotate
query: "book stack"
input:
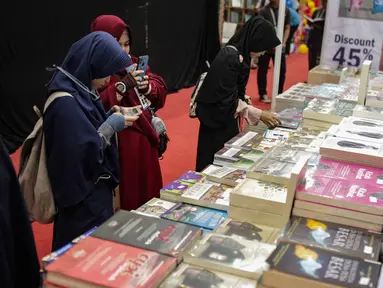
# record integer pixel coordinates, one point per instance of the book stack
(342, 193)
(224, 175)
(235, 256)
(128, 250)
(321, 114)
(294, 265)
(291, 118)
(289, 99)
(236, 158)
(326, 91)
(179, 186)
(374, 98)
(267, 195)
(368, 112)
(360, 142)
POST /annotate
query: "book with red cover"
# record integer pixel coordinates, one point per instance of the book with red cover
(99, 263)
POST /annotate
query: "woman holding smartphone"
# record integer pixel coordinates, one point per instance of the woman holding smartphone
(141, 178)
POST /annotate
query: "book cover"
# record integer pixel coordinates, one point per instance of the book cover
(191, 177)
(195, 215)
(154, 234)
(342, 193)
(333, 237)
(285, 154)
(351, 172)
(277, 134)
(244, 230)
(156, 207)
(324, 266)
(363, 123)
(209, 191)
(232, 175)
(188, 276)
(244, 140)
(236, 255)
(176, 187)
(360, 134)
(229, 153)
(109, 264)
(262, 190)
(273, 168)
(334, 144)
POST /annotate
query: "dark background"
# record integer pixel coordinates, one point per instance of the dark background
(182, 35)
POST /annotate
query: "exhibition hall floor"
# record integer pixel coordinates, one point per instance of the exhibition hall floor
(183, 132)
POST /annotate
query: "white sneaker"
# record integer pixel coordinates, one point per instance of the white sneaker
(265, 99)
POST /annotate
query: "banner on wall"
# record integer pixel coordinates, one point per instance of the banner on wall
(353, 33)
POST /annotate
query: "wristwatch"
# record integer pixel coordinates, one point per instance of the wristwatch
(120, 87)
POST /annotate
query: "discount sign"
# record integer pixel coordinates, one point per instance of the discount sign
(351, 36)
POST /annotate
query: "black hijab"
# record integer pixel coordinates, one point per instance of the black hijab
(257, 35)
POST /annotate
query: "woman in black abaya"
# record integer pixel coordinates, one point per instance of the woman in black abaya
(221, 98)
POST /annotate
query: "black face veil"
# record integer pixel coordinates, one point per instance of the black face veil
(257, 35)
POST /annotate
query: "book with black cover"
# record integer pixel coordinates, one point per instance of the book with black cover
(340, 239)
(150, 233)
(310, 263)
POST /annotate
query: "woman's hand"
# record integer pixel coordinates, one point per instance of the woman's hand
(128, 111)
(135, 73)
(144, 85)
(269, 119)
(129, 120)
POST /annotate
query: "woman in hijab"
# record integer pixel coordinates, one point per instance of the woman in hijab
(221, 98)
(141, 178)
(19, 265)
(82, 157)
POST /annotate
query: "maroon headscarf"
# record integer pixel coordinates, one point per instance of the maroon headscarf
(111, 24)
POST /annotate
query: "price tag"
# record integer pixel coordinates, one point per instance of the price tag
(367, 250)
(364, 281)
(373, 199)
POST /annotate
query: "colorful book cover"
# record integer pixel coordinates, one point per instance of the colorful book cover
(156, 207)
(330, 236)
(244, 140)
(195, 215)
(150, 233)
(191, 177)
(351, 172)
(108, 264)
(195, 277)
(231, 174)
(340, 191)
(324, 266)
(176, 187)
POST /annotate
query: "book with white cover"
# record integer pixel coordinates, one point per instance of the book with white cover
(260, 195)
(247, 140)
(368, 112)
(353, 151)
(357, 134)
(361, 123)
(224, 175)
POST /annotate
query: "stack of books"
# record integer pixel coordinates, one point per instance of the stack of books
(318, 254)
(358, 141)
(267, 195)
(128, 250)
(291, 118)
(368, 112)
(289, 99)
(374, 98)
(322, 114)
(342, 193)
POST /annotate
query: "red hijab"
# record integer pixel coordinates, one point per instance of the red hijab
(111, 24)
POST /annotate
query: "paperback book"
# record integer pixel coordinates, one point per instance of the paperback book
(194, 215)
(238, 257)
(156, 207)
(362, 123)
(329, 236)
(285, 154)
(351, 172)
(368, 112)
(303, 265)
(272, 170)
(102, 263)
(246, 231)
(245, 141)
(342, 193)
(149, 233)
(224, 175)
(188, 276)
(175, 188)
(191, 177)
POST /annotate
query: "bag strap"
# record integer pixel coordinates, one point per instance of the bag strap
(54, 96)
(232, 47)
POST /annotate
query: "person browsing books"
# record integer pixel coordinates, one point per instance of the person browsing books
(221, 98)
(141, 178)
(270, 13)
(316, 35)
(82, 156)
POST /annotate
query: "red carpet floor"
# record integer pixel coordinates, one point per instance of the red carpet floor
(183, 132)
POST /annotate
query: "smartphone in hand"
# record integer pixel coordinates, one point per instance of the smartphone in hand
(143, 64)
(133, 111)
